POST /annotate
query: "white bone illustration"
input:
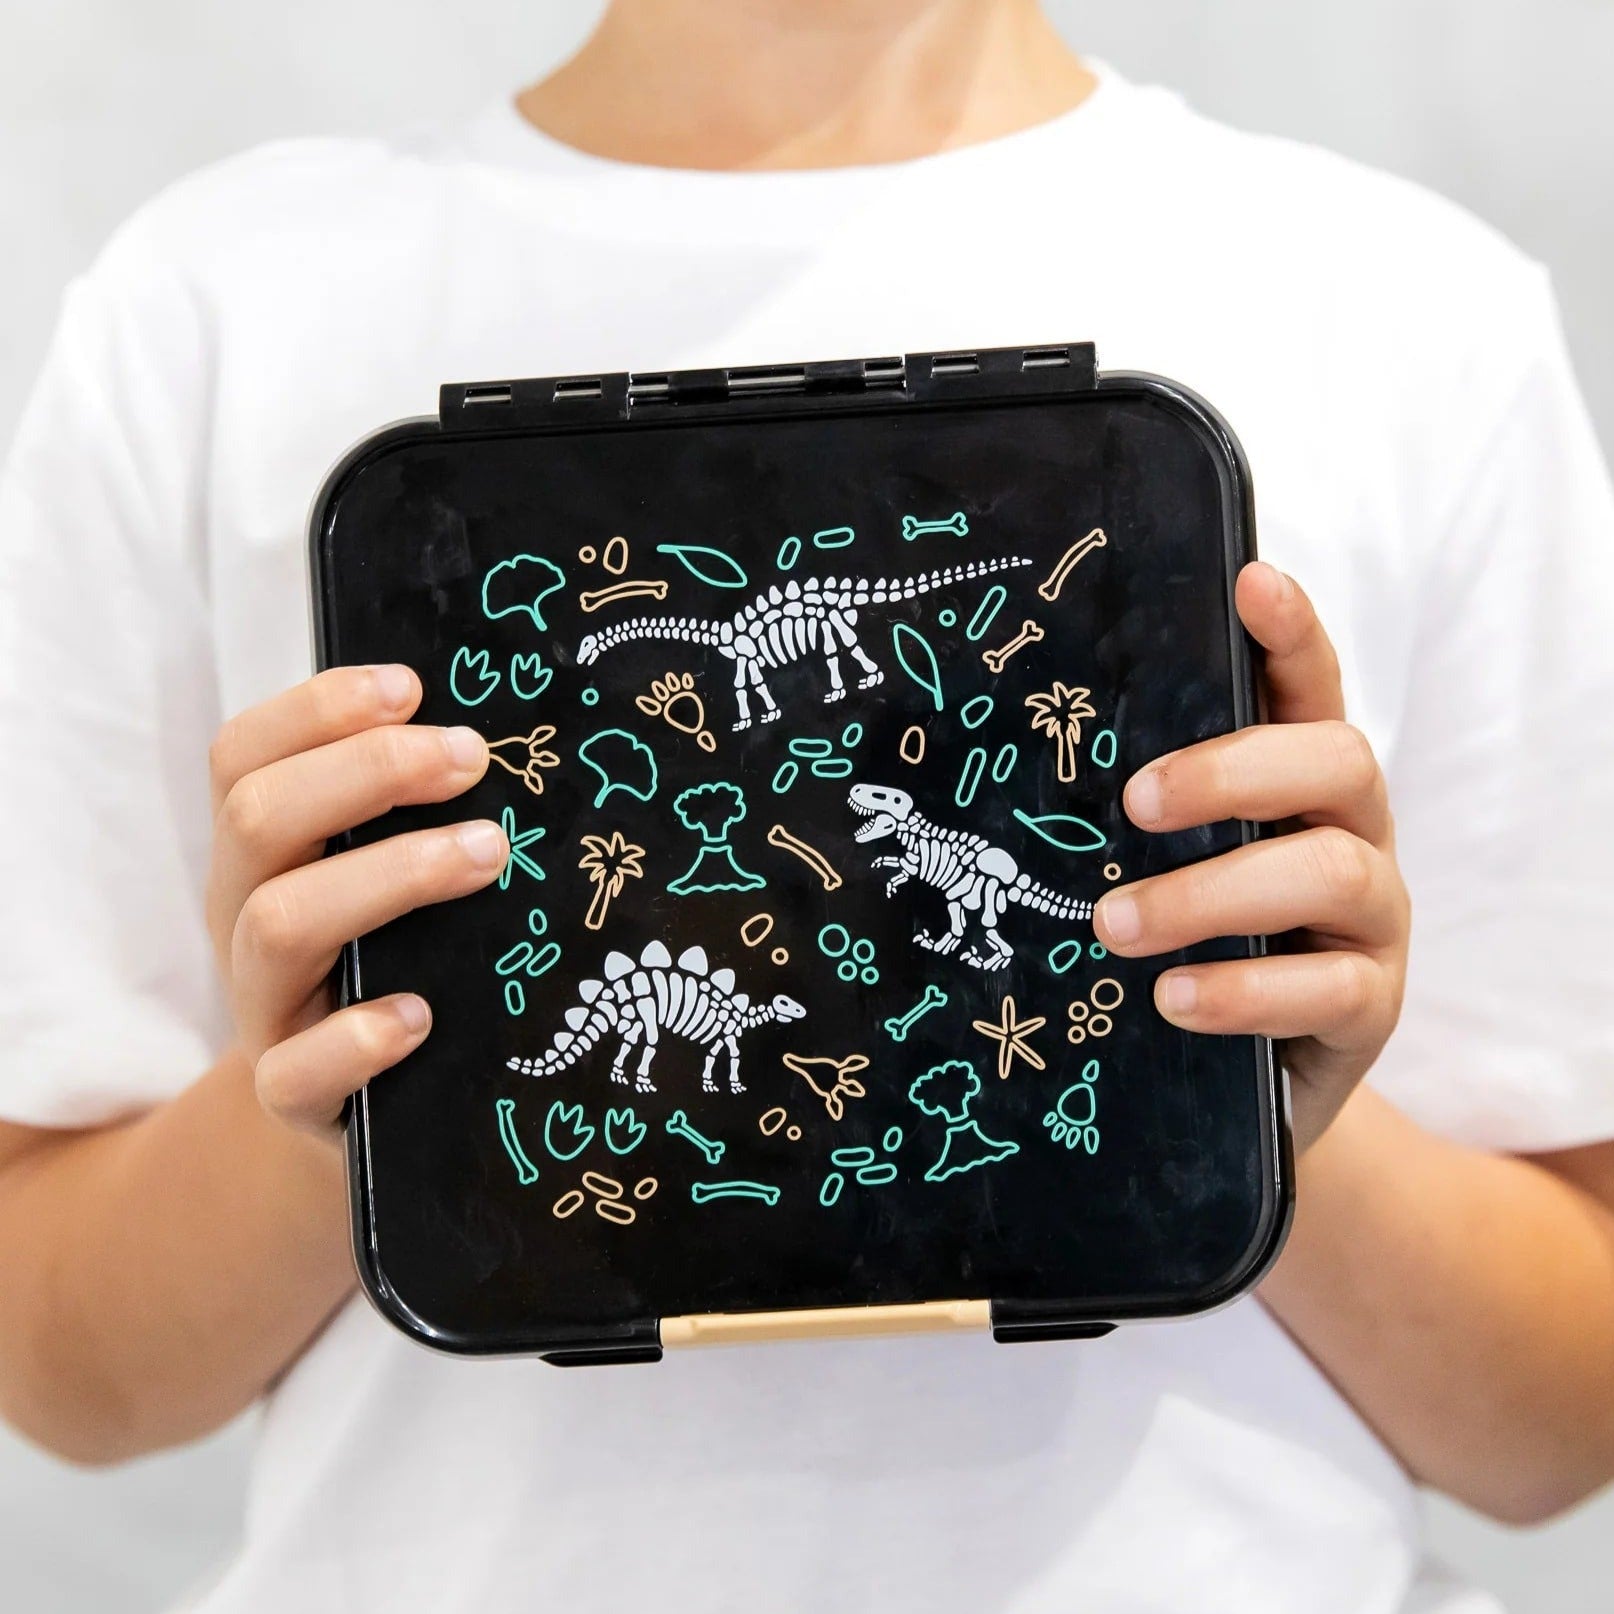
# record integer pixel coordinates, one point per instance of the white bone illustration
(976, 877)
(639, 1003)
(787, 622)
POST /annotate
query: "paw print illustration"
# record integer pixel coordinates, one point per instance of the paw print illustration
(674, 698)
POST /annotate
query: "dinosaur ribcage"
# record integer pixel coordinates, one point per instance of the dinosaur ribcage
(783, 639)
(683, 1005)
(939, 862)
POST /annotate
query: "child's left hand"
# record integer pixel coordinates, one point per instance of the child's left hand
(1331, 881)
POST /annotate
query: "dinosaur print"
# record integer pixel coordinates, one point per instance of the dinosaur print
(638, 1004)
(976, 877)
(785, 623)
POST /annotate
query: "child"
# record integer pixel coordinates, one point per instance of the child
(711, 181)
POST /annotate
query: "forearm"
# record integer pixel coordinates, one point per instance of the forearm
(155, 1277)
(1463, 1302)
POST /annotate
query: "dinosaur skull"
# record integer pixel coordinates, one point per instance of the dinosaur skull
(787, 1008)
(883, 807)
(588, 652)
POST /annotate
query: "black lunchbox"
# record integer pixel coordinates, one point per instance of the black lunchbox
(811, 691)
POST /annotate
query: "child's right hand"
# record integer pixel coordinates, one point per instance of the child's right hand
(319, 759)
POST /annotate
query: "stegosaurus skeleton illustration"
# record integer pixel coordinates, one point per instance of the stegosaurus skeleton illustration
(783, 624)
(974, 876)
(640, 1003)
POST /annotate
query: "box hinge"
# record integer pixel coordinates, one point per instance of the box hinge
(1017, 1323)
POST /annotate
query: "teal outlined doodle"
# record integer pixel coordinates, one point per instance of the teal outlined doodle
(899, 1025)
(515, 998)
(986, 613)
(1096, 951)
(946, 1091)
(529, 677)
(975, 712)
(918, 660)
(849, 1159)
(892, 1141)
(526, 1171)
(680, 1126)
(852, 736)
(471, 678)
(957, 524)
(624, 1131)
(856, 956)
(831, 1190)
(566, 1133)
(819, 757)
(629, 765)
(1003, 764)
(590, 696)
(1077, 1130)
(947, 617)
(833, 538)
(521, 584)
(713, 567)
(969, 777)
(1063, 829)
(702, 1192)
(519, 841)
(878, 1176)
(789, 554)
(528, 960)
(711, 810)
(785, 775)
(1064, 956)
(1104, 741)
(864, 1164)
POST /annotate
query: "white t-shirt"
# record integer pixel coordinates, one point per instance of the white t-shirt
(1423, 462)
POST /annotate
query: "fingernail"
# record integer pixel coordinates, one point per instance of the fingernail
(465, 746)
(414, 1011)
(1143, 797)
(1286, 584)
(1121, 920)
(395, 685)
(483, 843)
(1178, 994)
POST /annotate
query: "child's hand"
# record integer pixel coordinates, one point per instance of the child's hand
(1332, 881)
(287, 775)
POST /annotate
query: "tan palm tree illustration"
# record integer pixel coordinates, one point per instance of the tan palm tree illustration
(1058, 712)
(610, 862)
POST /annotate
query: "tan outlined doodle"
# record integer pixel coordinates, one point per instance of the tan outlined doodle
(780, 955)
(815, 860)
(1009, 1032)
(1112, 871)
(1029, 633)
(757, 929)
(911, 747)
(610, 861)
(615, 558)
(675, 699)
(843, 1087)
(1050, 586)
(609, 1195)
(1089, 1017)
(531, 753)
(1058, 713)
(592, 599)
(770, 1121)
(569, 1204)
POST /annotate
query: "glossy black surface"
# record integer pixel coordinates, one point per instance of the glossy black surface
(1183, 1197)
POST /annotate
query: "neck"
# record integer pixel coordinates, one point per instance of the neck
(769, 84)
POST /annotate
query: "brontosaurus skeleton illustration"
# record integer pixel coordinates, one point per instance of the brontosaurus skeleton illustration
(640, 1003)
(974, 876)
(787, 622)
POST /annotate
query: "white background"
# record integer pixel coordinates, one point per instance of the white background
(1502, 104)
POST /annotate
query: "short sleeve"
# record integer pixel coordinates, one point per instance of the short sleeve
(1502, 777)
(108, 994)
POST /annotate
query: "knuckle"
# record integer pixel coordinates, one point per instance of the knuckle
(416, 865)
(222, 754)
(1342, 864)
(1355, 985)
(335, 698)
(246, 816)
(1353, 757)
(395, 756)
(371, 1040)
(269, 925)
(271, 1081)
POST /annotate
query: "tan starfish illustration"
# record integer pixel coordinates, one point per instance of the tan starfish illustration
(1010, 1034)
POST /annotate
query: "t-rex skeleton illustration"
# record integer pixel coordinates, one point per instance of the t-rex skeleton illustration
(783, 624)
(974, 876)
(640, 1003)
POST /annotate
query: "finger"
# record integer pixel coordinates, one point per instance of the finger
(306, 1079)
(1344, 1000)
(1320, 773)
(1325, 880)
(329, 706)
(1301, 670)
(292, 927)
(281, 815)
